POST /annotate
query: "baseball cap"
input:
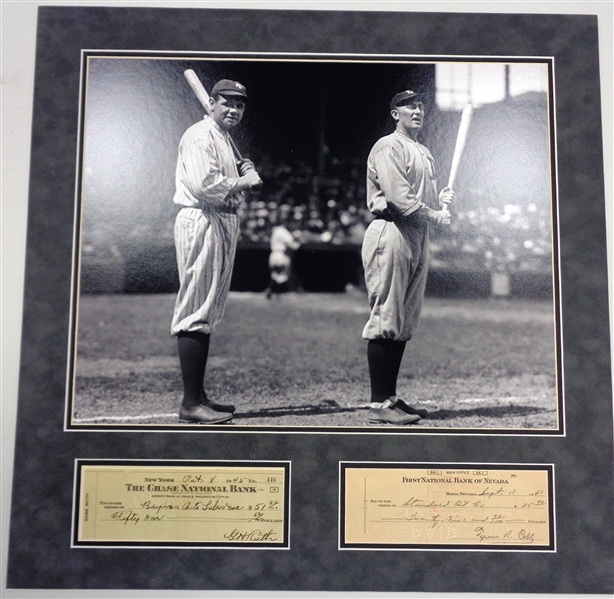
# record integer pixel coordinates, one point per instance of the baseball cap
(229, 88)
(404, 95)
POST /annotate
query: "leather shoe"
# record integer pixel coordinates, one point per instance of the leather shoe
(411, 410)
(391, 413)
(220, 407)
(203, 414)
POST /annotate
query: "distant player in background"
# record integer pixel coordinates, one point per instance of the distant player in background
(283, 245)
(402, 196)
(210, 186)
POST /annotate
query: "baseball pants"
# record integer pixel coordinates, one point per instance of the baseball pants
(395, 261)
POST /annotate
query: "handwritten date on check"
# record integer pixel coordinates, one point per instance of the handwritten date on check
(448, 507)
(206, 505)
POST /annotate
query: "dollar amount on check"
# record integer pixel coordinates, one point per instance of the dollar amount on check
(443, 507)
(182, 505)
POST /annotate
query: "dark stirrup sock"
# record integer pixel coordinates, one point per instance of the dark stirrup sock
(378, 357)
(397, 348)
(384, 357)
(193, 351)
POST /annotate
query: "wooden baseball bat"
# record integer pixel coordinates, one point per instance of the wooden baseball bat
(203, 97)
(461, 140)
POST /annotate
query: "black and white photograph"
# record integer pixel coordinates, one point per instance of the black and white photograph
(316, 241)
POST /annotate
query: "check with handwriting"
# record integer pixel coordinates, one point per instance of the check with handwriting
(448, 507)
(202, 505)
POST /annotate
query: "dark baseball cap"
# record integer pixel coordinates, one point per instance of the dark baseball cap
(401, 96)
(229, 88)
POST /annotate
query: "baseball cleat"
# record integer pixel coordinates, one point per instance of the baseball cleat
(392, 414)
(203, 414)
(411, 410)
(219, 407)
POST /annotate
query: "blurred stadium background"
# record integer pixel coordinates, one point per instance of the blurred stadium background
(309, 127)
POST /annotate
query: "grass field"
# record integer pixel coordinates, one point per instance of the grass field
(300, 361)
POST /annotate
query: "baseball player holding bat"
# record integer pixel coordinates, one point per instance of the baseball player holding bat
(402, 195)
(210, 186)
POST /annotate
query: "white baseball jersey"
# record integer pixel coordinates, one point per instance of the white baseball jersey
(400, 180)
(206, 228)
(280, 263)
(282, 240)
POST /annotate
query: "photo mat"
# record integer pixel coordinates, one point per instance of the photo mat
(40, 553)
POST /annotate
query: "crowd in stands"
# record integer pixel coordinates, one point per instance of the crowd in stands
(511, 238)
(330, 208)
(327, 208)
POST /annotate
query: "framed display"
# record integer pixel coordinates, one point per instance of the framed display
(308, 484)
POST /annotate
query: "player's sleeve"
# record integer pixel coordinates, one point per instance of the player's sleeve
(289, 240)
(390, 163)
(203, 176)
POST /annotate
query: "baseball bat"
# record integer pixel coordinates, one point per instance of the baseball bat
(461, 140)
(203, 97)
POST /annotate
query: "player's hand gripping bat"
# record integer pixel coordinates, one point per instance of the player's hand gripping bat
(203, 97)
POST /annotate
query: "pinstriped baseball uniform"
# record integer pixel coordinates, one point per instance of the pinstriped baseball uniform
(206, 228)
(400, 179)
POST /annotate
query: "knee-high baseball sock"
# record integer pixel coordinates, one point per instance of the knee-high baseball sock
(378, 357)
(384, 357)
(397, 349)
(193, 353)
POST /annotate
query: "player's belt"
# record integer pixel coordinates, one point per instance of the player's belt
(413, 219)
(219, 209)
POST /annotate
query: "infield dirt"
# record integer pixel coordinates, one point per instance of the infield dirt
(301, 362)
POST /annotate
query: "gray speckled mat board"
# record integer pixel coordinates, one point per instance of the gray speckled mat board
(40, 554)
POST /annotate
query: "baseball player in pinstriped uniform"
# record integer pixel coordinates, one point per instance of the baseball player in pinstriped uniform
(210, 186)
(402, 196)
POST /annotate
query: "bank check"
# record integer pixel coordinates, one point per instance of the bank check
(207, 504)
(446, 506)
